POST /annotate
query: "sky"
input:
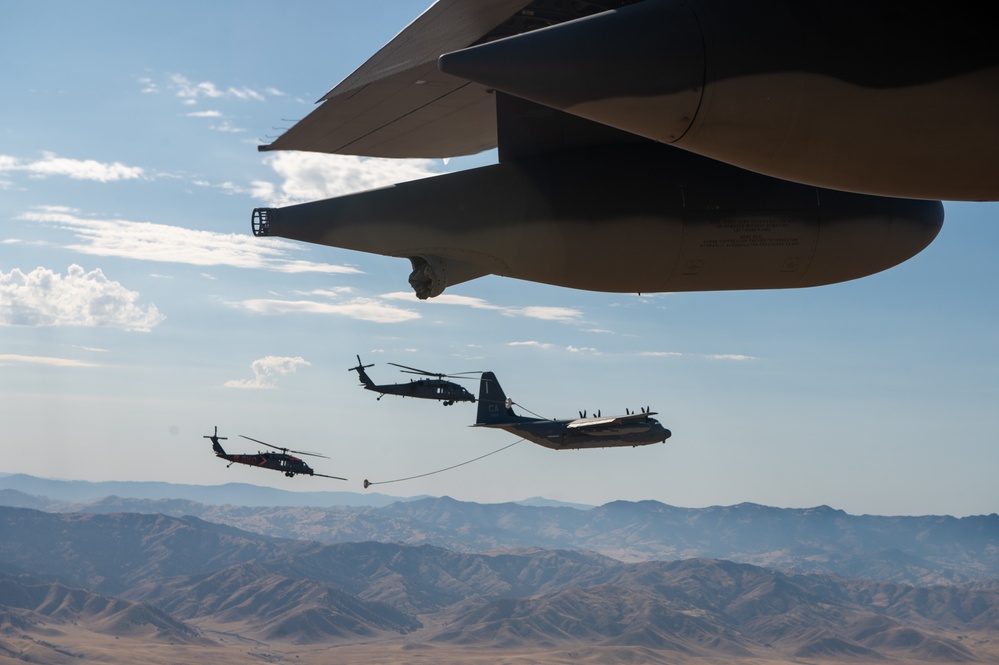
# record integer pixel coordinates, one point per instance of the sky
(138, 312)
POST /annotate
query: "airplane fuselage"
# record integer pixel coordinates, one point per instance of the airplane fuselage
(558, 435)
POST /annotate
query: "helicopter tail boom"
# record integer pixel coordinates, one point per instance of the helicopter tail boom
(362, 375)
(216, 446)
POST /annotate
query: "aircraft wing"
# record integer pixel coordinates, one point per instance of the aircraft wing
(397, 104)
(583, 424)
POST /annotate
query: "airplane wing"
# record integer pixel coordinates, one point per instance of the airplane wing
(397, 104)
(583, 424)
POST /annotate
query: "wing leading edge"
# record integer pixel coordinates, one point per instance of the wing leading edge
(399, 105)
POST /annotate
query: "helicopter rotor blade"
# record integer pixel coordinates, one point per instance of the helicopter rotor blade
(262, 442)
(439, 375)
(413, 370)
(303, 452)
(284, 450)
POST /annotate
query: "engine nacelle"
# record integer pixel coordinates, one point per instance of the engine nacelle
(896, 99)
(638, 218)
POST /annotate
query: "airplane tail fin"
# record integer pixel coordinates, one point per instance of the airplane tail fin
(495, 408)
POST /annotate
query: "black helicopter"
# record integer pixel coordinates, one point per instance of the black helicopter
(436, 387)
(282, 461)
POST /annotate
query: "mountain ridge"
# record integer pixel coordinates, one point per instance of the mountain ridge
(921, 550)
(224, 582)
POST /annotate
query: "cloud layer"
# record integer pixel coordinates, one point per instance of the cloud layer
(560, 314)
(307, 176)
(45, 298)
(78, 169)
(267, 368)
(147, 241)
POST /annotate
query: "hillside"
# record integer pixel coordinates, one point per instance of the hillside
(919, 550)
(204, 586)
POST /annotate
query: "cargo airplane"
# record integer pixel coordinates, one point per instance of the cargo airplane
(632, 429)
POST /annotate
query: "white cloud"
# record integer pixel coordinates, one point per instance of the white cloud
(148, 85)
(266, 368)
(45, 298)
(10, 358)
(710, 356)
(532, 343)
(362, 309)
(582, 349)
(560, 314)
(445, 299)
(308, 176)
(228, 127)
(205, 114)
(563, 314)
(333, 292)
(190, 91)
(146, 241)
(78, 169)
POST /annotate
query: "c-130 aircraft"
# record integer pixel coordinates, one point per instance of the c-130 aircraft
(661, 145)
(495, 410)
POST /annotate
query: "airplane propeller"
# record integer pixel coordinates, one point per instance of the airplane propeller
(288, 450)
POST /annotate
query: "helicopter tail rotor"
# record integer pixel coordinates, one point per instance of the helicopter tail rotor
(215, 436)
(360, 366)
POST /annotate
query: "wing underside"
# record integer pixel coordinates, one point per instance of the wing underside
(398, 104)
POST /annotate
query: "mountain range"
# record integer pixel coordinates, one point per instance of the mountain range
(434, 579)
(187, 581)
(922, 550)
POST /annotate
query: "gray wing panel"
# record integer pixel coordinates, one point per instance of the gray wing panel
(397, 104)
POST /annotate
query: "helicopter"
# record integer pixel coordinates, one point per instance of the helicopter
(437, 387)
(282, 461)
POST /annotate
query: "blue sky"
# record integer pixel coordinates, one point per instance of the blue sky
(137, 311)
